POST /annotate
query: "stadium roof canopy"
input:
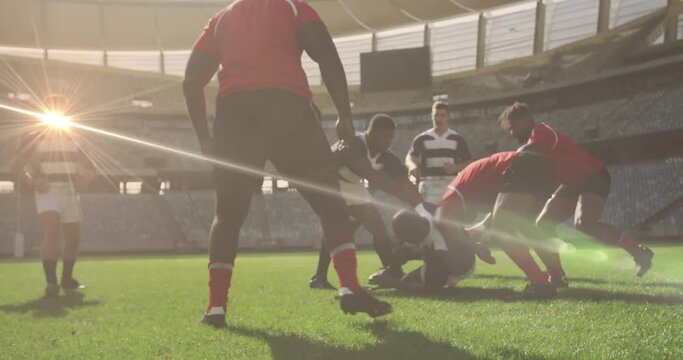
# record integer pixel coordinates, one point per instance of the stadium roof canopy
(174, 24)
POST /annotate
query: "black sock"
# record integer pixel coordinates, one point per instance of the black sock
(68, 268)
(385, 253)
(50, 269)
(324, 260)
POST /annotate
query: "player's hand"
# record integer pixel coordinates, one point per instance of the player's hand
(484, 253)
(345, 130)
(415, 172)
(206, 146)
(40, 184)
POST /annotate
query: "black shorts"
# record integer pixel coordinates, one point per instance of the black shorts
(254, 126)
(439, 265)
(597, 183)
(530, 173)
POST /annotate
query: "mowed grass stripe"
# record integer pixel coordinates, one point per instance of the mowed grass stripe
(148, 307)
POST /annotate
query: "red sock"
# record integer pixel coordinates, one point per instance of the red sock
(522, 257)
(344, 259)
(630, 245)
(220, 275)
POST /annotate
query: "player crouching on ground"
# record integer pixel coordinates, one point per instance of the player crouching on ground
(513, 185)
(369, 158)
(447, 260)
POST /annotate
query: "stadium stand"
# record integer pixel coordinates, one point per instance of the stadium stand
(120, 225)
(7, 222)
(641, 190)
(623, 94)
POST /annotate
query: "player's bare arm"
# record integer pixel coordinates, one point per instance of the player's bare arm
(23, 160)
(87, 173)
(452, 230)
(200, 69)
(413, 167)
(384, 182)
(317, 42)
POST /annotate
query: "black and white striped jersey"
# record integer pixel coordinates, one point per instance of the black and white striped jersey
(431, 151)
(54, 155)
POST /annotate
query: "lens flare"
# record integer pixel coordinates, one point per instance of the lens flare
(56, 120)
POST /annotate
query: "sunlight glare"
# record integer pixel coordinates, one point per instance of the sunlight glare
(56, 120)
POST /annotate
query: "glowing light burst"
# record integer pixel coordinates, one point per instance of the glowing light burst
(53, 119)
(243, 169)
(56, 120)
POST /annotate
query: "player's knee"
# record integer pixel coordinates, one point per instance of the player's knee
(227, 220)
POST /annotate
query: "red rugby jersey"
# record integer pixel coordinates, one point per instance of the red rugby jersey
(572, 162)
(257, 44)
(481, 180)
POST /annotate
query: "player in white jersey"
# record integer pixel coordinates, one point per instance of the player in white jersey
(51, 163)
(437, 155)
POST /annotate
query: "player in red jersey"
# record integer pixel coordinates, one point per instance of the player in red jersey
(584, 186)
(264, 112)
(514, 185)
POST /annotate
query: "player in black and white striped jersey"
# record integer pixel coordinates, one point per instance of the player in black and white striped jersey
(51, 163)
(437, 155)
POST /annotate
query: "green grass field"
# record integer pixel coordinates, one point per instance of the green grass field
(148, 307)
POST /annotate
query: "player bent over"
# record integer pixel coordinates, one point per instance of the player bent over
(584, 186)
(513, 185)
(369, 158)
(51, 162)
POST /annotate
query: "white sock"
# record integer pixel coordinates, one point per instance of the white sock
(216, 310)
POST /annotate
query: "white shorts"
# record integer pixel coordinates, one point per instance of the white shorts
(60, 197)
(354, 193)
(433, 189)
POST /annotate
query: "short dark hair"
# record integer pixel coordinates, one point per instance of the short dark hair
(439, 105)
(381, 121)
(518, 110)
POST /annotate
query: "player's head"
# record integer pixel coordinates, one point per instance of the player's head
(381, 132)
(56, 103)
(440, 115)
(409, 226)
(518, 121)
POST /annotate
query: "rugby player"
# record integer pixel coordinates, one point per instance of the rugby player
(436, 155)
(584, 186)
(52, 164)
(264, 112)
(512, 186)
(369, 158)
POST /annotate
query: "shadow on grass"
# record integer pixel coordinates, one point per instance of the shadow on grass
(675, 285)
(595, 295)
(469, 294)
(459, 294)
(392, 344)
(50, 307)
